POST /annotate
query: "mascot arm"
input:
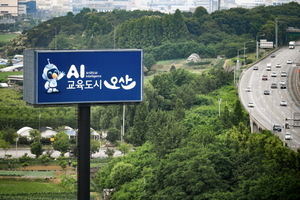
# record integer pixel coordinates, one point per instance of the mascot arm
(61, 74)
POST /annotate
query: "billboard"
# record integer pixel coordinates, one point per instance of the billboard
(83, 76)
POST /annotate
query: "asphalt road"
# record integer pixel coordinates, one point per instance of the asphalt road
(267, 109)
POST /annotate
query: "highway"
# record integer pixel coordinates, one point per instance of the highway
(266, 109)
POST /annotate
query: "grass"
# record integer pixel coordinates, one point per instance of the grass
(3, 75)
(36, 174)
(28, 186)
(7, 37)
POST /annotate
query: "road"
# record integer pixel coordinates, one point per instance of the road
(267, 109)
(16, 153)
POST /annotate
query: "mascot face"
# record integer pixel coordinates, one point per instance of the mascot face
(50, 72)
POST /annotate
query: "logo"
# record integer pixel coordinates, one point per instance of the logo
(51, 74)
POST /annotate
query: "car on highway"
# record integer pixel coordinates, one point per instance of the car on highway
(276, 127)
(264, 77)
(289, 61)
(273, 85)
(283, 103)
(273, 74)
(283, 86)
(273, 55)
(288, 136)
(266, 92)
(282, 82)
(255, 67)
(283, 74)
(268, 67)
(287, 125)
(248, 89)
(278, 65)
(251, 105)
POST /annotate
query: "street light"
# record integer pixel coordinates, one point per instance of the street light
(245, 51)
(257, 45)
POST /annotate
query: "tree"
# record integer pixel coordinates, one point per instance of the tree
(149, 60)
(113, 135)
(61, 143)
(200, 12)
(36, 148)
(137, 134)
(35, 135)
(109, 152)
(124, 148)
(95, 146)
(4, 145)
(45, 159)
(121, 173)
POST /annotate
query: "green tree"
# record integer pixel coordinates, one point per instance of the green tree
(238, 115)
(24, 158)
(149, 60)
(35, 135)
(4, 145)
(137, 134)
(95, 146)
(113, 135)
(121, 173)
(124, 148)
(44, 159)
(36, 148)
(109, 152)
(61, 143)
(200, 12)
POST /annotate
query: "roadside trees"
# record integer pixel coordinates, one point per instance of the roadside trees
(36, 148)
(61, 143)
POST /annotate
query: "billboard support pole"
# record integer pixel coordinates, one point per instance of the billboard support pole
(83, 173)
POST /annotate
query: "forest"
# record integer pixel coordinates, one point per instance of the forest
(188, 144)
(162, 36)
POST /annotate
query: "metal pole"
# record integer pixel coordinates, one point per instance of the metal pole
(276, 33)
(245, 53)
(83, 173)
(123, 127)
(256, 47)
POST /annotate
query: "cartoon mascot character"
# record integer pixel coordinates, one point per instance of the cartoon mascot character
(51, 74)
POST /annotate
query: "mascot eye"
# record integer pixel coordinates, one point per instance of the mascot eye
(49, 74)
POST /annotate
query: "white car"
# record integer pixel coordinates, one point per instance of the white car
(248, 89)
(251, 105)
(283, 103)
(282, 82)
(289, 61)
(273, 74)
(283, 74)
(278, 66)
(288, 136)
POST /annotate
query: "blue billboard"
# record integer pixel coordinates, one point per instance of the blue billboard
(85, 76)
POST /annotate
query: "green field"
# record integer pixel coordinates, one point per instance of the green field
(28, 186)
(3, 75)
(34, 174)
(7, 37)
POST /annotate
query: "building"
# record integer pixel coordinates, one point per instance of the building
(9, 8)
